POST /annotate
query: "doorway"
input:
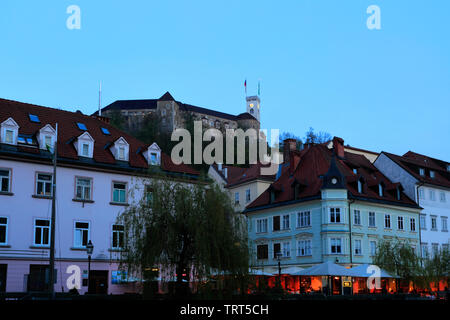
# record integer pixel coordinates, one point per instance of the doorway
(98, 282)
(3, 269)
(336, 284)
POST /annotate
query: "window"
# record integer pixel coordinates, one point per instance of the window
(3, 230)
(424, 249)
(286, 249)
(41, 232)
(83, 188)
(400, 223)
(9, 136)
(236, 198)
(304, 248)
(119, 192)
(117, 236)
(423, 222)
(34, 118)
(335, 215)
(422, 171)
(387, 221)
(435, 248)
(372, 219)
(444, 224)
(358, 248)
(261, 225)
(432, 174)
(303, 219)
(121, 153)
(276, 223)
(336, 245)
(355, 171)
(81, 126)
(48, 141)
(381, 190)
(432, 195)
(5, 179)
(148, 194)
(412, 224)
(81, 234)
(153, 158)
(433, 223)
(276, 250)
(286, 224)
(44, 184)
(357, 217)
(421, 194)
(445, 247)
(373, 247)
(360, 186)
(262, 251)
(105, 131)
(442, 196)
(247, 195)
(85, 150)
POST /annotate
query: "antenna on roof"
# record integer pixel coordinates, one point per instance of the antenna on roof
(100, 100)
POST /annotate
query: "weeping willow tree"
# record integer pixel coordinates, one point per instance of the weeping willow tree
(399, 258)
(184, 229)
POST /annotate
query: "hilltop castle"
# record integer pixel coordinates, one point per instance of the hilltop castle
(173, 114)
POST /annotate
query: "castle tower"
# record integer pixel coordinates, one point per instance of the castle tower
(253, 106)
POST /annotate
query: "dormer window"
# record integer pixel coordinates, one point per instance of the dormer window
(422, 171)
(46, 137)
(381, 190)
(153, 155)
(432, 174)
(399, 193)
(121, 149)
(355, 171)
(9, 131)
(360, 185)
(85, 145)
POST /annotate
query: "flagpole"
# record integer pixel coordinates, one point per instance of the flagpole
(52, 222)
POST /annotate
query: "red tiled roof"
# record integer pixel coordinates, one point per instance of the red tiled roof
(68, 132)
(313, 163)
(237, 175)
(412, 162)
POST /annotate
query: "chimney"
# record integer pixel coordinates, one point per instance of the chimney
(289, 145)
(338, 146)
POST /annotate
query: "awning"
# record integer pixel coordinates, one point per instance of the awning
(325, 269)
(259, 272)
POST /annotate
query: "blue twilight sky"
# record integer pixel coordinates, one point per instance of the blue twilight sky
(319, 64)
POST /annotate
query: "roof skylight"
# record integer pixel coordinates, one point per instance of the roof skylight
(81, 126)
(34, 118)
(105, 131)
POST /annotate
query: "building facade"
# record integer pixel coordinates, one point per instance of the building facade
(172, 114)
(427, 181)
(100, 172)
(328, 205)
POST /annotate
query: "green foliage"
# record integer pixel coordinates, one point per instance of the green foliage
(185, 228)
(117, 120)
(319, 137)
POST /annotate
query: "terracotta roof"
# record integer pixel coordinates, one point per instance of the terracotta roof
(237, 175)
(68, 131)
(412, 162)
(309, 167)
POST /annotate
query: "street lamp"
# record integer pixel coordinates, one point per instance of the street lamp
(278, 257)
(89, 250)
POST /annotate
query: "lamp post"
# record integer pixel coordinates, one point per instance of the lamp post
(278, 256)
(89, 250)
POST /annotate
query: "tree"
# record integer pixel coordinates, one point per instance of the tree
(117, 120)
(320, 137)
(399, 258)
(436, 268)
(184, 229)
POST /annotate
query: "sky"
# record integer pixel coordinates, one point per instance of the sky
(319, 64)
